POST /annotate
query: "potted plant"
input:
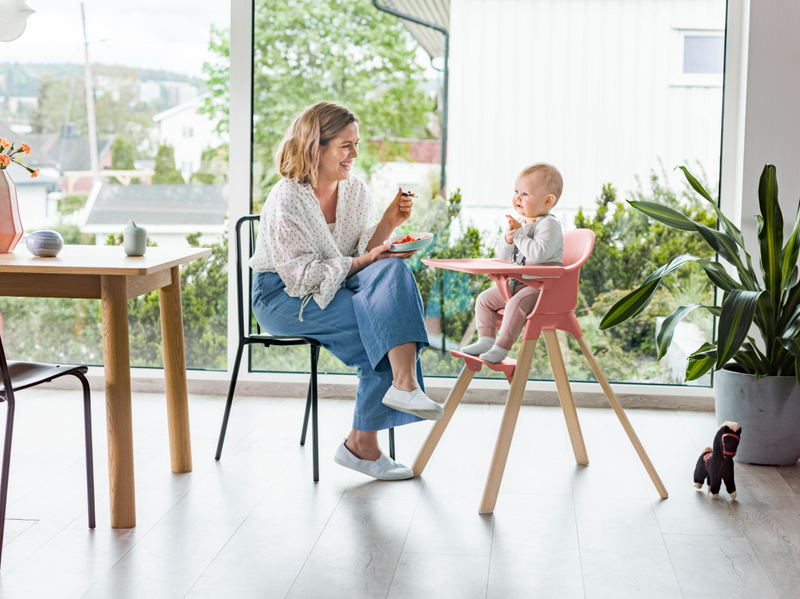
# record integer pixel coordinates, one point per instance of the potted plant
(756, 386)
(10, 223)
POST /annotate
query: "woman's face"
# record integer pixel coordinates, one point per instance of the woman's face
(336, 158)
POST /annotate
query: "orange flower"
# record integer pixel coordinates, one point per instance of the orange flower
(25, 148)
(35, 174)
(4, 142)
(5, 160)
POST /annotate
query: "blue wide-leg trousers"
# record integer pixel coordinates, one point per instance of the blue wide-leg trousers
(377, 309)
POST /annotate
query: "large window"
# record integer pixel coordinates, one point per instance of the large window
(614, 94)
(162, 152)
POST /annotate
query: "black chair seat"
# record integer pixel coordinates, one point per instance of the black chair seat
(15, 376)
(29, 374)
(285, 341)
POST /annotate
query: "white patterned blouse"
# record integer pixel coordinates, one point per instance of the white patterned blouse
(295, 241)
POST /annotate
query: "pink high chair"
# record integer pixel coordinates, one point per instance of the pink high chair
(553, 312)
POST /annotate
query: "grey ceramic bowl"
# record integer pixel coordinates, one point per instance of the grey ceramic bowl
(45, 244)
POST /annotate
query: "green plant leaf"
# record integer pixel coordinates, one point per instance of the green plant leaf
(754, 346)
(664, 214)
(770, 230)
(790, 309)
(793, 345)
(701, 361)
(630, 305)
(670, 267)
(729, 227)
(738, 309)
(719, 276)
(637, 300)
(725, 246)
(790, 253)
(747, 360)
(664, 337)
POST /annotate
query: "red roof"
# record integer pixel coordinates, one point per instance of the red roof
(424, 151)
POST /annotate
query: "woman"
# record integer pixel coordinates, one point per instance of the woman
(323, 271)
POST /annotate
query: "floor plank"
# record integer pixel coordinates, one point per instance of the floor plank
(254, 525)
(727, 563)
(358, 552)
(535, 547)
(437, 576)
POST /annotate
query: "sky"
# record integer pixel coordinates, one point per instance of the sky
(172, 35)
(160, 34)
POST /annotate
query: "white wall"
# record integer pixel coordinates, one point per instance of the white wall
(772, 109)
(584, 84)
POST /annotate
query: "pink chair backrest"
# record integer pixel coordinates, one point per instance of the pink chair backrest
(578, 246)
(563, 295)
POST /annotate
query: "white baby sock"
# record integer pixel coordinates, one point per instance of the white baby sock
(494, 355)
(483, 344)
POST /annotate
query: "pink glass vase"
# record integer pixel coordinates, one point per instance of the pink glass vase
(10, 222)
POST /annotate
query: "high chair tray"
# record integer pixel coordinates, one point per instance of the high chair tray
(494, 266)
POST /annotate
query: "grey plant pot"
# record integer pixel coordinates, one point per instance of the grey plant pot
(768, 411)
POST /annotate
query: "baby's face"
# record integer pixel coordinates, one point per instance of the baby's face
(530, 196)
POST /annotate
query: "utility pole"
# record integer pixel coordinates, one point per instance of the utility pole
(90, 105)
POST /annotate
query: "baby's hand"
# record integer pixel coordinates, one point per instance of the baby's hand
(513, 225)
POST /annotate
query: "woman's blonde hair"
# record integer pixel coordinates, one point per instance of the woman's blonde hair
(298, 155)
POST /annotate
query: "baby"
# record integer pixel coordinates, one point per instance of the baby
(536, 238)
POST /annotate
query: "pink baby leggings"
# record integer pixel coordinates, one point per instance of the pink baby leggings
(519, 306)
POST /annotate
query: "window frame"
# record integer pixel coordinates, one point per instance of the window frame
(241, 187)
(681, 79)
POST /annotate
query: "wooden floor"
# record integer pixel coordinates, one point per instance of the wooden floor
(254, 524)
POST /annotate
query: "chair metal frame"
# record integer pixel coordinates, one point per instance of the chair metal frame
(31, 374)
(558, 287)
(246, 339)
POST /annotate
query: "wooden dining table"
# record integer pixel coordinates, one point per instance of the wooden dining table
(107, 274)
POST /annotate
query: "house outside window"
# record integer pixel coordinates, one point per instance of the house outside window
(699, 58)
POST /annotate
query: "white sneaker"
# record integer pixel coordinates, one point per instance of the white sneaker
(384, 468)
(413, 402)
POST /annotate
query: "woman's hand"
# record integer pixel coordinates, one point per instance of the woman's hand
(399, 210)
(382, 251)
(379, 252)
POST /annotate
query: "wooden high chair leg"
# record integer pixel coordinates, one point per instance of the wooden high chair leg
(612, 398)
(565, 396)
(507, 426)
(450, 405)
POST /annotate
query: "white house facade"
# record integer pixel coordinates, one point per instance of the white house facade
(607, 90)
(188, 132)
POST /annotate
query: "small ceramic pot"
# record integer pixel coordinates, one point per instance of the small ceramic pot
(135, 239)
(45, 244)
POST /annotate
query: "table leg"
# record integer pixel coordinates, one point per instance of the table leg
(450, 405)
(180, 442)
(565, 397)
(509, 422)
(116, 357)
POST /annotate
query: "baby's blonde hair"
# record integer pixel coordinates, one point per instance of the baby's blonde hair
(297, 158)
(551, 177)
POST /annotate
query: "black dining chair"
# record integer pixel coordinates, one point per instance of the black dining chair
(244, 321)
(17, 376)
